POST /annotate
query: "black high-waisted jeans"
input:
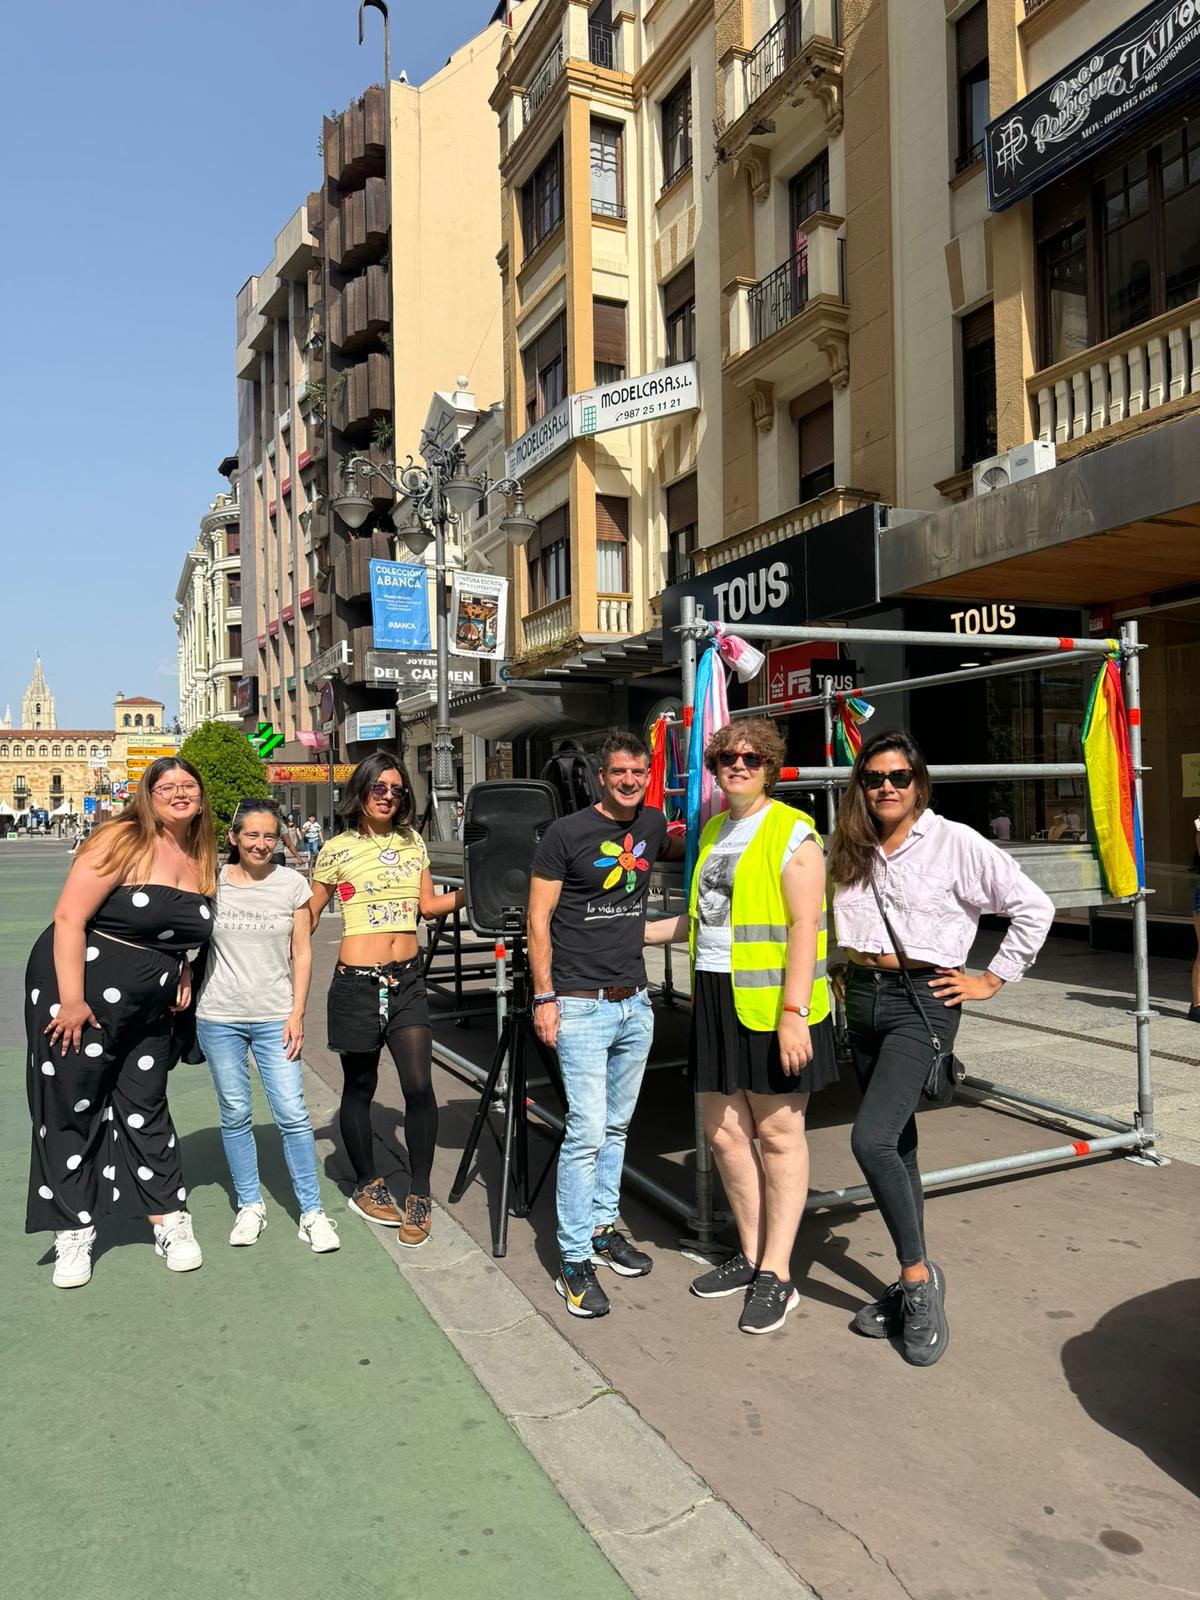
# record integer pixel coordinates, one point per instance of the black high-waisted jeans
(892, 1053)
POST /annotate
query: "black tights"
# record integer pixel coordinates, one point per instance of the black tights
(412, 1051)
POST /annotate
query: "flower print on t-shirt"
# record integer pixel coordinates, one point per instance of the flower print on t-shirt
(629, 860)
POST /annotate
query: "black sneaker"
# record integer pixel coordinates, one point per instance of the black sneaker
(768, 1304)
(926, 1333)
(732, 1275)
(1194, 1013)
(612, 1249)
(883, 1318)
(576, 1282)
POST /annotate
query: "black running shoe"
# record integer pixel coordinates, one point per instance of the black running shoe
(883, 1318)
(731, 1276)
(926, 1333)
(576, 1282)
(1194, 1013)
(612, 1249)
(768, 1304)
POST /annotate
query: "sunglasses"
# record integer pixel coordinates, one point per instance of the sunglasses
(253, 803)
(387, 791)
(899, 778)
(750, 759)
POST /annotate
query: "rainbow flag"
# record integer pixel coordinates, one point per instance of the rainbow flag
(704, 798)
(1110, 781)
(851, 711)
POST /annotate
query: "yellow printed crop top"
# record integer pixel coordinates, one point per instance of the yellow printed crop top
(377, 878)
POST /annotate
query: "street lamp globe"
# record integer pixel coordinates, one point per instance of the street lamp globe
(417, 538)
(518, 527)
(462, 493)
(354, 509)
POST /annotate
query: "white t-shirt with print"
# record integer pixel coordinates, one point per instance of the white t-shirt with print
(714, 902)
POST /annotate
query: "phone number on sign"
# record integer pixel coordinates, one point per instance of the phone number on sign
(660, 408)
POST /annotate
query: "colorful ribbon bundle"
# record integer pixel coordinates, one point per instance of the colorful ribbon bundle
(1111, 785)
(665, 785)
(704, 799)
(847, 734)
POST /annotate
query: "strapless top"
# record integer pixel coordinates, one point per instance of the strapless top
(176, 921)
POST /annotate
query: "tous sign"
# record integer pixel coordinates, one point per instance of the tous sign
(751, 596)
(985, 619)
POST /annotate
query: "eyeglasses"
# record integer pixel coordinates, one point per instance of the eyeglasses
(899, 778)
(168, 791)
(387, 791)
(750, 759)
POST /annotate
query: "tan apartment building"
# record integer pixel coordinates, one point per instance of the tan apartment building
(208, 615)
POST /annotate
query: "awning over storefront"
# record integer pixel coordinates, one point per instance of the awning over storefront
(1120, 523)
(508, 710)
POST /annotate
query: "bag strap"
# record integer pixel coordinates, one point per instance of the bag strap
(905, 976)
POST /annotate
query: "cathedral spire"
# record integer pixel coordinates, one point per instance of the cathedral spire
(37, 704)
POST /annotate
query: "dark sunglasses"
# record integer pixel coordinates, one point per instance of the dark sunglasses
(252, 803)
(750, 759)
(899, 778)
(387, 791)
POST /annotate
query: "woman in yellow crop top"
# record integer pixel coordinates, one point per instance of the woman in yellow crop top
(379, 870)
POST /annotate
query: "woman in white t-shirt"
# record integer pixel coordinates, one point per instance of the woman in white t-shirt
(253, 999)
(762, 1040)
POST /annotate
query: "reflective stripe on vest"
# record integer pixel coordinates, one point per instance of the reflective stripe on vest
(760, 922)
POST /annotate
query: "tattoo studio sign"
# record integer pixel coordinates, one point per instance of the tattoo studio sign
(1128, 74)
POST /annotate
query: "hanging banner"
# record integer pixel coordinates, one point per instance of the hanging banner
(630, 400)
(478, 612)
(399, 605)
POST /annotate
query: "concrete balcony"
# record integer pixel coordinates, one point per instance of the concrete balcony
(355, 143)
(614, 613)
(1129, 376)
(547, 627)
(804, 518)
(357, 231)
(796, 64)
(351, 572)
(365, 395)
(361, 311)
(788, 331)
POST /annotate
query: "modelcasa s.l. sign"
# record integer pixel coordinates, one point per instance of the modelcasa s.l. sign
(624, 404)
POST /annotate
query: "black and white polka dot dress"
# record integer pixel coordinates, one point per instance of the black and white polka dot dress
(102, 1135)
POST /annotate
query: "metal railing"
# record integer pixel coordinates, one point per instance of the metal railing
(607, 208)
(777, 298)
(778, 48)
(543, 80)
(602, 47)
(969, 157)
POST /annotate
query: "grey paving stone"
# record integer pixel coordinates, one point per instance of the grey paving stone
(618, 1475)
(530, 1370)
(471, 1295)
(707, 1551)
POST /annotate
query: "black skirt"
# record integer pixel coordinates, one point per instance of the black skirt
(725, 1056)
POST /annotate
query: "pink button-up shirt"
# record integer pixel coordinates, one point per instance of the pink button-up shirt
(935, 888)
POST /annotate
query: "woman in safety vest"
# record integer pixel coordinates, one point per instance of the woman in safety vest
(762, 1039)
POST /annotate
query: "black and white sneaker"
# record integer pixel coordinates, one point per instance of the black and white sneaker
(729, 1278)
(883, 1318)
(925, 1333)
(576, 1282)
(612, 1249)
(768, 1304)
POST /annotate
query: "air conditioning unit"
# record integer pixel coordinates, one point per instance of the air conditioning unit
(1022, 461)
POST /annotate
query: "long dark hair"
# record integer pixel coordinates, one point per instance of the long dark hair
(352, 807)
(247, 808)
(856, 833)
(125, 847)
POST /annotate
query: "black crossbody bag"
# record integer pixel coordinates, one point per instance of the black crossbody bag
(946, 1071)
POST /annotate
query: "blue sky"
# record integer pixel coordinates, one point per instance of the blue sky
(154, 151)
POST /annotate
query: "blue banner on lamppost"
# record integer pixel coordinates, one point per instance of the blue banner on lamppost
(400, 605)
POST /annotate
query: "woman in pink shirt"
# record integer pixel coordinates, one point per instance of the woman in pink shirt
(933, 879)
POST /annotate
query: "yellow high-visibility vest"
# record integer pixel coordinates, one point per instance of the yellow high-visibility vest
(760, 920)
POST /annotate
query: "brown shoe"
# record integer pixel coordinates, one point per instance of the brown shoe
(374, 1203)
(418, 1219)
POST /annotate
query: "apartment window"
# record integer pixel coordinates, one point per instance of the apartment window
(608, 176)
(808, 192)
(542, 200)
(971, 50)
(235, 642)
(677, 131)
(127, 721)
(682, 518)
(612, 544)
(979, 386)
(549, 557)
(679, 311)
(815, 432)
(545, 363)
(56, 783)
(233, 589)
(1179, 165)
(1065, 294)
(233, 542)
(608, 340)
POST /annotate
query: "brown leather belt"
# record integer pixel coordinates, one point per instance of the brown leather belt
(620, 991)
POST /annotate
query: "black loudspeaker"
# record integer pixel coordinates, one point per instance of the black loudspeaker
(503, 823)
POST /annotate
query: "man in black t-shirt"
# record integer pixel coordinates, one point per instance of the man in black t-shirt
(587, 917)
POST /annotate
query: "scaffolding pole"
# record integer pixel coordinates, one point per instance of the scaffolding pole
(1141, 922)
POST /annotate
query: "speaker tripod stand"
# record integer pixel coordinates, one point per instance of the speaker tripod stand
(506, 1088)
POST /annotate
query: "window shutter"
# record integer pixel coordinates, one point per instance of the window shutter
(816, 440)
(680, 289)
(552, 527)
(971, 38)
(608, 332)
(552, 342)
(683, 505)
(978, 327)
(612, 518)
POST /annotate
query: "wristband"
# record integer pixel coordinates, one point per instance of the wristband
(543, 999)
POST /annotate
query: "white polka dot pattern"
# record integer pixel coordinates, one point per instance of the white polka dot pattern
(33, 996)
(54, 1010)
(167, 933)
(145, 1063)
(206, 913)
(81, 1105)
(140, 898)
(94, 1049)
(86, 1218)
(145, 1174)
(136, 1120)
(112, 996)
(46, 1194)
(73, 1162)
(91, 953)
(47, 1069)
(109, 1173)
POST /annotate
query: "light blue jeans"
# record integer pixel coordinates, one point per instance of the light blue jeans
(226, 1047)
(602, 1050)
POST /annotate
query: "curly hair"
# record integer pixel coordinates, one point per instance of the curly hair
(752, 733)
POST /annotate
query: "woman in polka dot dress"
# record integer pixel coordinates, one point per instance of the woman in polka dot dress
(101, 986)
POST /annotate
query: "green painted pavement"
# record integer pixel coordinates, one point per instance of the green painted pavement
(277, 1425)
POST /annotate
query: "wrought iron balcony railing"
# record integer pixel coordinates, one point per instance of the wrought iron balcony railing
(543, 80)
(602, 51)
(778, 48)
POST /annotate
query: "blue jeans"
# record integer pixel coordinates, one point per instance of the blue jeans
(226, 1046)
(602, 1050)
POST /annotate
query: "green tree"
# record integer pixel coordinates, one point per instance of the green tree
(231, 768)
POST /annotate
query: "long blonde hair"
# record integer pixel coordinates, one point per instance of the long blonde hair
(125, 847)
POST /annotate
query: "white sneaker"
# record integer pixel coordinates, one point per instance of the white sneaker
(251, 1220)
(73, 1257)
(176, 1243)
(317, 1230)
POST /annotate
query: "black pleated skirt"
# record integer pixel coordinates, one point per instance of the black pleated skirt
(725, 1056)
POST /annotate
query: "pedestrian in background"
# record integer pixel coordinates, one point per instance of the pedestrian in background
(312, 838)
(379, 870)
(101, 986)
(253, 999)
(910, 889)
(762, 1038)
